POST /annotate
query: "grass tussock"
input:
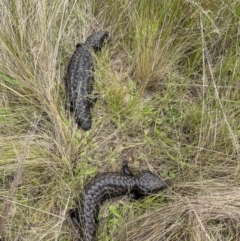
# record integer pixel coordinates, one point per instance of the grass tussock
(168, 100)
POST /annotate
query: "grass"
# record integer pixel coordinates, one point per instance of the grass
(168, 87)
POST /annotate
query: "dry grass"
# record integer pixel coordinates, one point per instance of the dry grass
(168, 86)
(212, 213)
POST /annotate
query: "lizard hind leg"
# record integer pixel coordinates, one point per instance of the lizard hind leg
(74, 215)
(126, 169)
(92, 100)
(134, 194)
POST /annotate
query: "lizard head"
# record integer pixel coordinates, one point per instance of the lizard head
(148, 182)
(96, 40)
(84, 123)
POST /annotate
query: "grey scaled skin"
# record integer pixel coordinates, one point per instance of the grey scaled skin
(80, 80)
(107, 185)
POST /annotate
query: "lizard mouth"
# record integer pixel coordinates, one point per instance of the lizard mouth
(85, 124)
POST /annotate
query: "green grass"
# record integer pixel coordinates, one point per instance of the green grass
(168, 100)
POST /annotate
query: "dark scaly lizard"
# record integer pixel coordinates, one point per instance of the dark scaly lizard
(107, 185)
(80, 80)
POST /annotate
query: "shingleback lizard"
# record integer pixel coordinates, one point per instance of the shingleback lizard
(80, 80)
(107, 185)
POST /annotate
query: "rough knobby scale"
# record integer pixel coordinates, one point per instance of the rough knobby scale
(80, 80)
(107, 185)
